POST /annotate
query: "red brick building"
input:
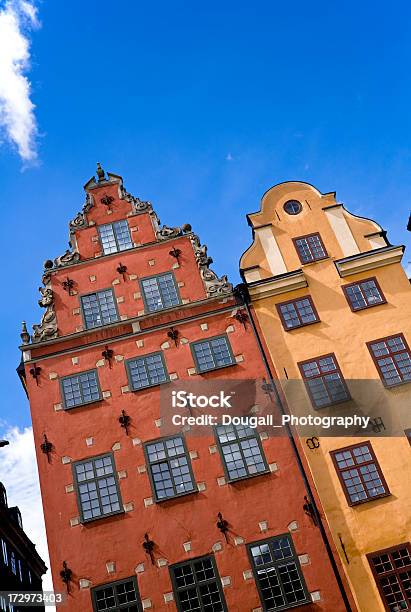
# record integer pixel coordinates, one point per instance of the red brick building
(130, 513)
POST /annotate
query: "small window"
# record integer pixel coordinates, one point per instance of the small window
(80, 389)
(13, 563)
(99, 308)
(392, 571)
(115, 237)
(360, 475)
(392, 358)
(160, 292)
(364, 294)
(146, 371)
(293, 207)
(310, 248)
(170, 468)
(4, 551)
(241, 451)
(197, 586)
(324, 381)
(121, 596)
(212, 354)
(20, 570)
(97, 489)
(278, 574)
(297, 313)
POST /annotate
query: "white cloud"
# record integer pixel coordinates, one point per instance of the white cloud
(17, 119)
(229, 157)
(18, 473)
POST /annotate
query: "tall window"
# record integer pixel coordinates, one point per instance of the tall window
(13, 563)
(310, 248)
(169, 468)
(115, 237)
(297, 313)
(393, 359)
(324, 381)
(197, 586)
(146, 371)
(278, 574)
(160, 292)
(120, 596)
(97, 489)
(4, 551)
(80, 389)
(212, 354)
(364, 294)
(99, 308)
(360, 475)
(392, 572)
(241, 451)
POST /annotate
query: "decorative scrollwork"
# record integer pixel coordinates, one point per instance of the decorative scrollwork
(47, 329)
(69, 257)
(80, 221)
(214, 285)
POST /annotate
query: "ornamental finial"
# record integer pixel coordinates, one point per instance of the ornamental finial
(25, 336)
(100, 173)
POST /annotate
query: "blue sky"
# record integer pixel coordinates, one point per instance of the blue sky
(201, 108)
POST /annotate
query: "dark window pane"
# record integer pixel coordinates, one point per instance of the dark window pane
(160, 292)
(80, 389)
(147, 371)
(97, 489)
(117, 597)
(324, 381)
(169, 466)
(360, 473)
(212, 354)
(115, 237)
(364, 294)
(278, 574)
(241, 451)
(310, 248)
(99, 308)
(393, 359)
(197, 586)
(392, 572)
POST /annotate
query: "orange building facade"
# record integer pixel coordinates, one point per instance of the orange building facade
(333, 304)
(137, 519)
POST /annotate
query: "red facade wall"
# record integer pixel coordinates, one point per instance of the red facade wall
(276, 498)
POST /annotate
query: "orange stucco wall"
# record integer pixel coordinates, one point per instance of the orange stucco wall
(376, 524)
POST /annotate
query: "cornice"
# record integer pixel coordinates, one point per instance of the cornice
(275, 285)
(362, 262)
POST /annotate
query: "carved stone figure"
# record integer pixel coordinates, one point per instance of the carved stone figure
(214, 285)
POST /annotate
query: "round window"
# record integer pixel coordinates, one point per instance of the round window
(292, 207)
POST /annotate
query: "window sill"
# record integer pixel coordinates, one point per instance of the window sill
(165, 382)
(310, 263)
(290, 329)
(349, 399)
(100, 518)
(354, 310)
(370, 499)
(96, 401)
(400, 384)
(229, 365)
(249, 477)
(177, 496)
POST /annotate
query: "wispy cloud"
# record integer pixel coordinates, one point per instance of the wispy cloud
(17, 118)
(18, 473)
